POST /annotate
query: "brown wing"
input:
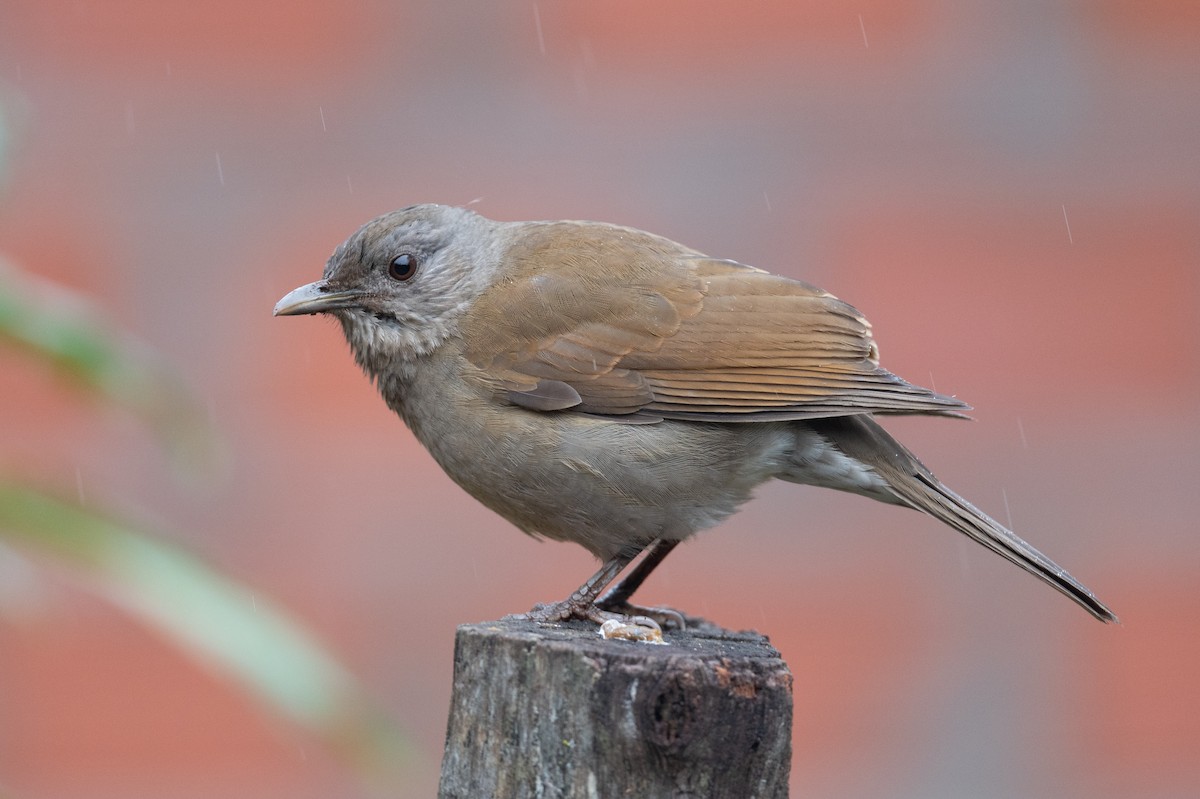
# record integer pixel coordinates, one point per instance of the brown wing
(618, 322)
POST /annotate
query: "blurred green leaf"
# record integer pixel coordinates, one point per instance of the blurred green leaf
(221, 622)
(68, 331)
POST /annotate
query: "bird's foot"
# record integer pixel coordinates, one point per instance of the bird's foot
(668, 618)
(571, 608)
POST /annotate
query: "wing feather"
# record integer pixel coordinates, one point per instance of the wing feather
(637, 324)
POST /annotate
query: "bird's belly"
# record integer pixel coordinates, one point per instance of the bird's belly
(599, 483)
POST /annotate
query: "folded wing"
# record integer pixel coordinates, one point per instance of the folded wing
(635, 325)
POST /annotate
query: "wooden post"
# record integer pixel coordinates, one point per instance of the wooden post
(557, 711)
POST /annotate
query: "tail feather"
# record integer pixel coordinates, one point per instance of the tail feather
(929, 495)
(864, 440)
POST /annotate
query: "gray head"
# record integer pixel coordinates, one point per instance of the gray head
(400, 283)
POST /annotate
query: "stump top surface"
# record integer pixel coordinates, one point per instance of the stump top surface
(707, 642)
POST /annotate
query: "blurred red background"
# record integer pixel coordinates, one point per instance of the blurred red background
(1009, 191)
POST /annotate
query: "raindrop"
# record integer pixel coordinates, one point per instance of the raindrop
(537, 21)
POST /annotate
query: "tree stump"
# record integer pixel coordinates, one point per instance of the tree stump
(555, 711)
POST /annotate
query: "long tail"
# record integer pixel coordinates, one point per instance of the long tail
(861, 438)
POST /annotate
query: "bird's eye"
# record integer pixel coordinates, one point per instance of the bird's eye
(403, 267)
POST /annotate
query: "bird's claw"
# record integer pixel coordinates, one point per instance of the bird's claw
(668, 618)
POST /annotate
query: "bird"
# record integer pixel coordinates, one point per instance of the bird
(602, 385)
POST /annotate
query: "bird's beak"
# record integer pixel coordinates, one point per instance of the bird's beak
(315, 298)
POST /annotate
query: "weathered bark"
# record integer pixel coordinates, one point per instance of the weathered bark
(556, 711)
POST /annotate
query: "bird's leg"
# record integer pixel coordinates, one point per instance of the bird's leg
(622, 591)
(617, 598)
(581, 604)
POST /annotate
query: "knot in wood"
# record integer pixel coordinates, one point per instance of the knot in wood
(671, 712)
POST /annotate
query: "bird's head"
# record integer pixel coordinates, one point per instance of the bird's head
(400, 283)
